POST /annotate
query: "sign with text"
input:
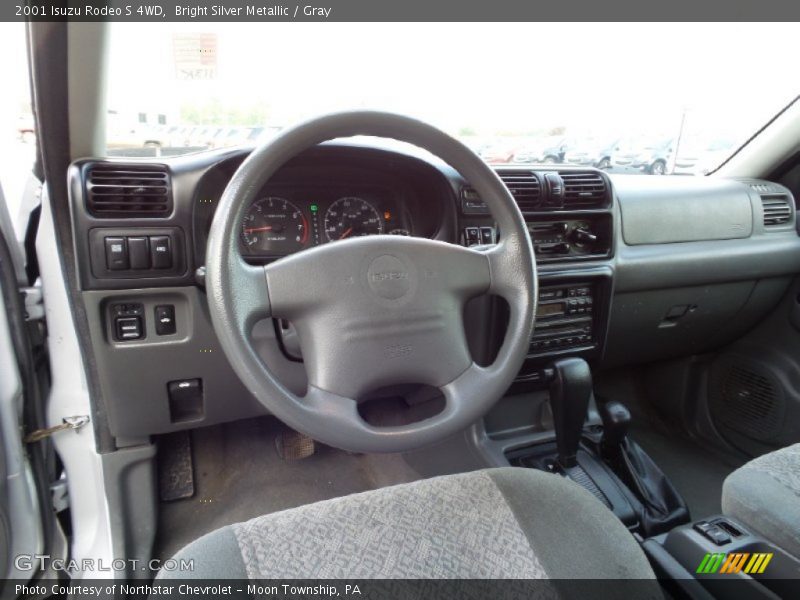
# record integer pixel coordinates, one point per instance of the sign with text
(195, 55)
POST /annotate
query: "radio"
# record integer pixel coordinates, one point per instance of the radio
(564, 319)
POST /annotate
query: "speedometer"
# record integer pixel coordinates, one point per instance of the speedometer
(274, 226)
(351, 217)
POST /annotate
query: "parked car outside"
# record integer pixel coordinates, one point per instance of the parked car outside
(593, 152)
(498, 153)
(547, 150)
(258, 135)
(696, 157)
(653, 157)
(26, 129)
(138, 135)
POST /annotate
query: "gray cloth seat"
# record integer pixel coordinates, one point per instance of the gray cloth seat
(764, 495)
(495, 523)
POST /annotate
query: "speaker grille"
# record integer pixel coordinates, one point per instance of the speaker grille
(746, 402)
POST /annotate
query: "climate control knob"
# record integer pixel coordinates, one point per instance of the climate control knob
(583, 235)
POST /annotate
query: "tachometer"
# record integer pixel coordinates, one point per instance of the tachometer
(351, 217)
(274, 226)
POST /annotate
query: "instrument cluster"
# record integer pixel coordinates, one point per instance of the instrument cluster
(325, 196)
(284, 220)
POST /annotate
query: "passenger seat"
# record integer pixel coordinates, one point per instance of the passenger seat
(764, 495)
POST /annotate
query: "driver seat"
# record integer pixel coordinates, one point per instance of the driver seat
(496, 523)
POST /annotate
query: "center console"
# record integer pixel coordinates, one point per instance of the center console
(602, 458)
(569, 217)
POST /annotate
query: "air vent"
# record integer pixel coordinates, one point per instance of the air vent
(777, 210)
(114, 190)
(525, 187)
(583, 189)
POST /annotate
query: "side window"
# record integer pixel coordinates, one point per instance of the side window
(17, 128)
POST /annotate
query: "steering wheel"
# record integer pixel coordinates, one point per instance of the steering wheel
(372, 311)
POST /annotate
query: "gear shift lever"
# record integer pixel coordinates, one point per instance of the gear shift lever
(569, 398)
(616, 421)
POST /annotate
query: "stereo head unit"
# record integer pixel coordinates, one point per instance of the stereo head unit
(564, 319)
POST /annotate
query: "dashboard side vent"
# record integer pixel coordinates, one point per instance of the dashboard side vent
(525, 187)
(777, 210)
(584, 189)
(116, 190)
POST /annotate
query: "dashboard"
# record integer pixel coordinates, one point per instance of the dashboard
(630, 268)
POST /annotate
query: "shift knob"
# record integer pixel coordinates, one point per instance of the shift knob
(570, 391)
(616, 421)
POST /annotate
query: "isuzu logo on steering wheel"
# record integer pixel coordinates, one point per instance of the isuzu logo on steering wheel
(388, 277)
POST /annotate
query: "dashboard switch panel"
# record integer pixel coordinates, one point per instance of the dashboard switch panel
(472, 236)
(139, 253)
(128, 322)
(161, 252)
(165, 319)
(116, 253)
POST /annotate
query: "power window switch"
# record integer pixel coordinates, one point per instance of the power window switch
(160, 252)
(129, 328)
(712, 532)
(165, 319)
(717, 535)
(116, 253)
(139, 252)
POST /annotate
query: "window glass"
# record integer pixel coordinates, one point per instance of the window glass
(631, 97)
(17, 132)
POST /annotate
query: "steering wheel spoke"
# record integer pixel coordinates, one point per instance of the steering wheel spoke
(507, 271)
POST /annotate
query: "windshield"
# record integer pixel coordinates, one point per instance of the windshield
(637, 98)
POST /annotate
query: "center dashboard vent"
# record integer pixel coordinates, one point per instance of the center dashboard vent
(777, 210)
(584, 189)
(116, 190)
(525, 187)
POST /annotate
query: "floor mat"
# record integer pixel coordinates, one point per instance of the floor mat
(238, 475)
(695, 471)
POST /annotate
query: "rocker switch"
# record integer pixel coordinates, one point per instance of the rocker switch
(165, 319)
(160, 252)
